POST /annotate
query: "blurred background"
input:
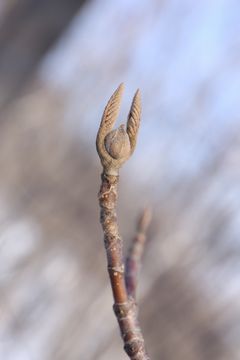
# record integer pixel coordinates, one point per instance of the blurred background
(60, 61)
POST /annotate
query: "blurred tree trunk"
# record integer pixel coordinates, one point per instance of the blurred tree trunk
(28, 28)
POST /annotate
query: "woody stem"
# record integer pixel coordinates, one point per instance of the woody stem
(125, 307)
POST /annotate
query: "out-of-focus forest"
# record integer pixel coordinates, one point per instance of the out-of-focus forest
(60, 61)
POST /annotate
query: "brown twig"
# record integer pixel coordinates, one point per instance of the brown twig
(114, 148)
(134, 258)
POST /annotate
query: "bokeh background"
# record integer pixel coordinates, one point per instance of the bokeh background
(60, 61)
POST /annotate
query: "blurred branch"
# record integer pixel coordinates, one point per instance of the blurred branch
(27, 30)
(134, 258)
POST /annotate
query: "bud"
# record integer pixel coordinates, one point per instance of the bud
(117, 143)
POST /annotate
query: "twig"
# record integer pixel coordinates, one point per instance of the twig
(114, 148)
(134, 258)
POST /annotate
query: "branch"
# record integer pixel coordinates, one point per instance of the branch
(134, 259)
(119, 148)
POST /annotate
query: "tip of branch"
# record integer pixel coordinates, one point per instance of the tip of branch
(145, 219)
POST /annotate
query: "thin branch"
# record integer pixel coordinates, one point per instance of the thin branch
(125, 307)
(134, 258)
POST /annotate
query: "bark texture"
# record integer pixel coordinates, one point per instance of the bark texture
(125, 307)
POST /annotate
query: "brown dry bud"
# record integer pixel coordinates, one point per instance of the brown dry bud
(115, 146)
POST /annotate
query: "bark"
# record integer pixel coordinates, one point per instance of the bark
(125, 307)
